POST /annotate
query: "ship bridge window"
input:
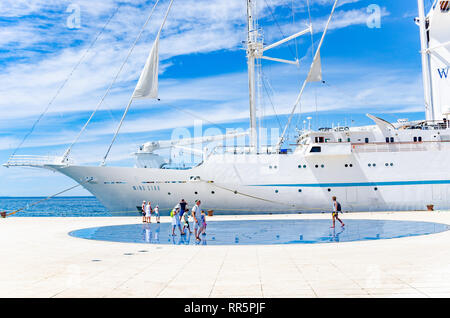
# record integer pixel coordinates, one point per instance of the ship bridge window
(319, 140)
(316, 149)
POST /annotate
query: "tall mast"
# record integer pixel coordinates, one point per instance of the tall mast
(252, 53)
(426, 74)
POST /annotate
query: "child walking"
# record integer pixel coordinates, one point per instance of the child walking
(176, 220)
(203, 217)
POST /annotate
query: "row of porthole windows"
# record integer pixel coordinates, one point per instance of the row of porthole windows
(316, 166)
(273, 167)
(350, 165)
(196, 193)
(329, 190)
(150, 188)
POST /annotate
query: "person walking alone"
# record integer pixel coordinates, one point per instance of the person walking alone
(336, 209)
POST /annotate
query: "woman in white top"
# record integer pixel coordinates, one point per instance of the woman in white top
(148, 212)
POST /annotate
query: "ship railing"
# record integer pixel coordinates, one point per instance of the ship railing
(399, 146)
(427, 125)
(240, 150)
(34, 161)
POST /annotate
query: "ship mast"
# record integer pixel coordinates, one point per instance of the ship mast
(426, 74)
(252, 53)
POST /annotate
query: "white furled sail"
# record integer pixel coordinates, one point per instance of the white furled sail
(315, 75)
(147, 86)
(439, 50)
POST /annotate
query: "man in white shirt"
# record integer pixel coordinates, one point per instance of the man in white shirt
(197, 215)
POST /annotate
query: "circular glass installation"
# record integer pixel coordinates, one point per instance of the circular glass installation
(263, 232)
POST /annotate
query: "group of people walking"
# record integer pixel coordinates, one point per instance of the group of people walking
(147, 212)
(181, 218)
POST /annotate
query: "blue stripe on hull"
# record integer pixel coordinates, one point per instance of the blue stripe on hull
(354, 184)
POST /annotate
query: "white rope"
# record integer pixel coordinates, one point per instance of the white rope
(132, 95)
(309, 73)
(49, 197)
(66, 154)
(64, 83)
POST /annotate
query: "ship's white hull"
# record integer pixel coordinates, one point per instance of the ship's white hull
(275, 183)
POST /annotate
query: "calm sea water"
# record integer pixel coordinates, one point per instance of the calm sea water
(59, 206)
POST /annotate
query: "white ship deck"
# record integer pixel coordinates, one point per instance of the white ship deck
(42, 260)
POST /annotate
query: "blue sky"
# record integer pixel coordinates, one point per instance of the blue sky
(203, 71)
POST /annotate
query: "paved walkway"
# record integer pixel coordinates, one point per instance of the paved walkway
(39, 259)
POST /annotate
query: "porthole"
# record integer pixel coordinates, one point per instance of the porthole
(369, 165)
(195, 192)
(317, 166)
(386, 164)
(299, 166)
(299, 190)
(270, 167)
(329, 190)
(168, 193)
(351, 165)
(322, 166)
(235, 192)
(346, 165)
(374, 165)
(276, 191)
(376, 189)
(304, 166)
(212, 192)
(392, 164)
(275, 167)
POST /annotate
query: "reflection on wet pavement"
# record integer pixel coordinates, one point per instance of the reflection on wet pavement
(263, 232)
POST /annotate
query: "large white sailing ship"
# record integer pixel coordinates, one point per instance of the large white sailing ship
(385, 166)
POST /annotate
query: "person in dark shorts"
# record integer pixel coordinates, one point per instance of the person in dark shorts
(336, 209)
(182, 208)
